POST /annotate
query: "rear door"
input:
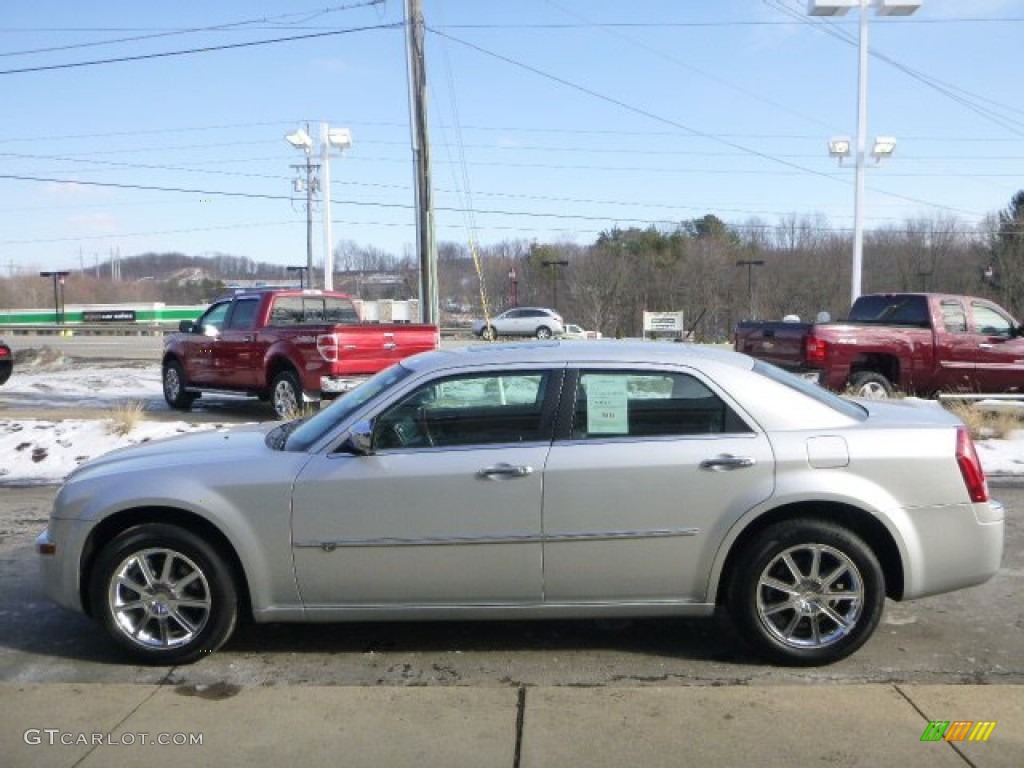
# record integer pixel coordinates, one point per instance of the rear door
(654, 467)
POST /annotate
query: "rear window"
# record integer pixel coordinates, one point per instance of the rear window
(300, 310)
(892, 310)
(812, 390)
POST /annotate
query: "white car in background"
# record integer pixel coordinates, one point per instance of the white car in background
(521, 321)
(573, 331)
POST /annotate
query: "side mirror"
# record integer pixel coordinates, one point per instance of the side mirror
(359, 441)
(187, 326)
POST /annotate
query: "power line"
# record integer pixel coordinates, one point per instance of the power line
(208, 49)
(174, 32)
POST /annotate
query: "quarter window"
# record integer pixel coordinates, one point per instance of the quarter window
(646, 404)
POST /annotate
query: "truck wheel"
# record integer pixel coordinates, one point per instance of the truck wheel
(806, 592)
(286, 396)
(871, 385)
(163, 594)
(174, 387)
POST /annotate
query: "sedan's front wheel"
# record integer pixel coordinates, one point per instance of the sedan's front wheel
(164, 594)
(807, 592)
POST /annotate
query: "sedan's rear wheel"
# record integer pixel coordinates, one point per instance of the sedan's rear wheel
(489, 333)
(543, 332)
(807, 592)
(164, 594)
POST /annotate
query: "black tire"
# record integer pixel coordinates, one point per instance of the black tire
(163, 594)
(871, 385)
(5, 371)
(174, 384)
(286, 396)
(489, 334)
(543, 332)
(820, 613)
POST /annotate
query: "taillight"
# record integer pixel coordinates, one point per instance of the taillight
(970, 466)
(815, 349)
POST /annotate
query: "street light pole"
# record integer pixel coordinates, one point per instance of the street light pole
(513, 287)
(58, 303)
(882, 8)
(750, 264)
(554, 279)
(858, 179)
(302, 272)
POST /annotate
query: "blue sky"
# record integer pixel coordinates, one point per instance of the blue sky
(550, 119)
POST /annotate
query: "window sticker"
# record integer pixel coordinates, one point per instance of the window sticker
(607, 405)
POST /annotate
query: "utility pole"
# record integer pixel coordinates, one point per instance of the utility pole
(425, 245)
(310, 189)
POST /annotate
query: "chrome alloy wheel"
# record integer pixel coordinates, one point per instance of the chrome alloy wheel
(172, 383)
(159, 598)
(285, 401)
(810, 596)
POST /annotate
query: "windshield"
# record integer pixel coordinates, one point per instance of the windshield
(812, 390)
(310, 431)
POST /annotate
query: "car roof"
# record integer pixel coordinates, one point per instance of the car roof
(570, 352)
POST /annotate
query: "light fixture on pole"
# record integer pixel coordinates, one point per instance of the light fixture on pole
(330, 138)
(882, 8)
(339, 139)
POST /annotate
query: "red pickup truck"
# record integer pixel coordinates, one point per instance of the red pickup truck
(918, 343)
(285, 346)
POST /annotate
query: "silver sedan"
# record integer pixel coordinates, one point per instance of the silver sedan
(536, 480)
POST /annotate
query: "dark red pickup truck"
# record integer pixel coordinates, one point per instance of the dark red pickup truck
(918, 343)
(286, 346)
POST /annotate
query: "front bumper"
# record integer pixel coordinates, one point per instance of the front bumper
(59, 560)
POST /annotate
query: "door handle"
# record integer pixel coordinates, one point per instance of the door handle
(248, 338)
(727, 463)
(504, 470)
(390, 345)
(984, 345)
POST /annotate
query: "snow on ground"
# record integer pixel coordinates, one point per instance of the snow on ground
(34, 451)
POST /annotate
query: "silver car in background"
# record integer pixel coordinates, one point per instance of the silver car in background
(521, 321)
(536, 480)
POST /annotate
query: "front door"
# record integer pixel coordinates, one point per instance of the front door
(445, 511)
(1000, 350)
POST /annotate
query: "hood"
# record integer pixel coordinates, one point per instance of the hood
(209, 447)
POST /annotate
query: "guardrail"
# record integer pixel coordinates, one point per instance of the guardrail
(136, 329)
